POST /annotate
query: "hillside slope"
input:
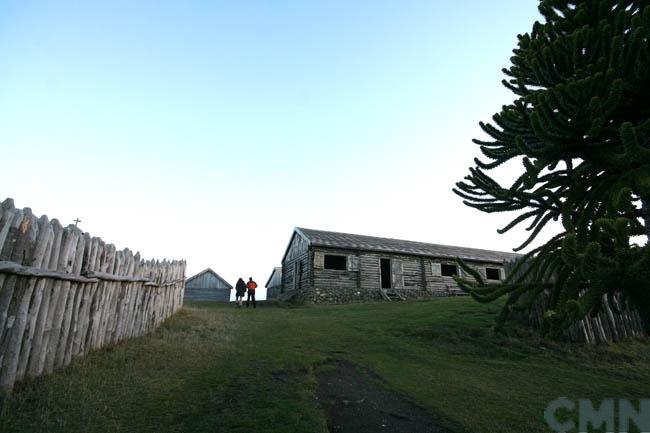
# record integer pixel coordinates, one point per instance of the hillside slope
(216, 368)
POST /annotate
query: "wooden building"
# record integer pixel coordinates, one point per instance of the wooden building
(329, 267)
(207, 285)
(274, 284)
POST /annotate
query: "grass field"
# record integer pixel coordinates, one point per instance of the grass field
(215, 368)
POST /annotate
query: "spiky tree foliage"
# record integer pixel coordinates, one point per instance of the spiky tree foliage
(581, 128)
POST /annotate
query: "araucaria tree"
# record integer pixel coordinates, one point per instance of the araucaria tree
(580, 126)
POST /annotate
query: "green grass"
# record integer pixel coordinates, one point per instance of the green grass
(215, 368)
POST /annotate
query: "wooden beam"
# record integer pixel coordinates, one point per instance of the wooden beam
(12, 268)
(105, 276)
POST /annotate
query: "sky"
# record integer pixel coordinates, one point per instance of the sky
(208, 130)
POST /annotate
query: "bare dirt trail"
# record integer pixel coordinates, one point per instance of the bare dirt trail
(356, 401)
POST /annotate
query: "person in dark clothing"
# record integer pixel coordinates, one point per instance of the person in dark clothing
(251, 286)
(240, 291)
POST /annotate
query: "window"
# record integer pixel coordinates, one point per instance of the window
(493, 274)
(337, 263)
(449, 270)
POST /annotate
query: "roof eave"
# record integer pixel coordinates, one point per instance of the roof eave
(435, 256)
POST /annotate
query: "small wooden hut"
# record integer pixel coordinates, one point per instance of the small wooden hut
(207, 285)
(274, 284)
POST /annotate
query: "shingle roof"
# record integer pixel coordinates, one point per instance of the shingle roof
(322, 238)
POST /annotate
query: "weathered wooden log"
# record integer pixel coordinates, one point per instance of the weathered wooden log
(114, 300)
(60, 297)
(71, 319)
(108, 277)
(6, 297)
(108, 258)
(612, 321)
(76, 318)
(41, 255)
(86, 293)
(122, 298)
(10, 346)
(132, 300)
(12, 219)
(98, 303)
(130, 304)
(13, 268)
(7, 267)
(7, 221)
(44, 321)
(11, 227)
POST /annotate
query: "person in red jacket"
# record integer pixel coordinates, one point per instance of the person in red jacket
(251, 286)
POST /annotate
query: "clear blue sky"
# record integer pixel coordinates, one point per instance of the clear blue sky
(191, 129)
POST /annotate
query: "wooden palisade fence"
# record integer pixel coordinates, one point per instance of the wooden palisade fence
(64, 293)
(612, 323)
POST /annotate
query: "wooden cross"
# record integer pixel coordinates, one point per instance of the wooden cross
(77, 221)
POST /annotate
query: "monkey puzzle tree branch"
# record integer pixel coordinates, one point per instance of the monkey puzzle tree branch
(580, 125)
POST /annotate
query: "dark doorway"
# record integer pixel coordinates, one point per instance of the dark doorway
(297, 275)
(385, 273)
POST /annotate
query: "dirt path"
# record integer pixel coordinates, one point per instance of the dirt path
(357, 402)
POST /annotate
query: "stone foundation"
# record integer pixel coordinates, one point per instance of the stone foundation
(349, 295)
